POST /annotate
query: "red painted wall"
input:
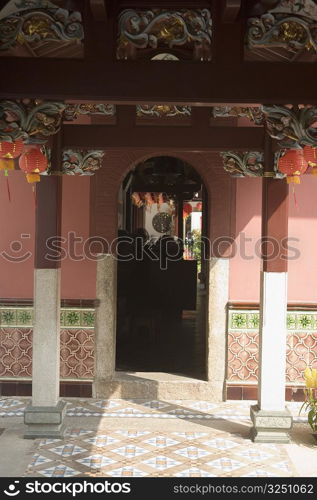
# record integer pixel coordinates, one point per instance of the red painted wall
(17, 218)
(245, 273)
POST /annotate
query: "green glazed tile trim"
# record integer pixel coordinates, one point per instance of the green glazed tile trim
(250, 320)
(12, 317)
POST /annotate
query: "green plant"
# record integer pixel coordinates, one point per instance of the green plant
(310, 404)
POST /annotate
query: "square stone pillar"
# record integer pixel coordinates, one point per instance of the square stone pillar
(44, 416)
(271, 419)
(105, 324)
(217, 325)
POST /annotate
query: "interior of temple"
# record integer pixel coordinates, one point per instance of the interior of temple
(161, 272)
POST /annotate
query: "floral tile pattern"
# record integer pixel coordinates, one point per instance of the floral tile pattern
(77, 352)
(243, 342)
(70, 317)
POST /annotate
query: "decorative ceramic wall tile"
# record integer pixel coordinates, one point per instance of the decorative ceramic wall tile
(243, 345)
(77, 353)
(13, 317)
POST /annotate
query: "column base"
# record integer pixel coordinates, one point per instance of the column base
(270, 426)
(45, 421)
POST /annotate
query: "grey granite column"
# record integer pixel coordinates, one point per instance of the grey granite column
(217, 325)
(105, 323)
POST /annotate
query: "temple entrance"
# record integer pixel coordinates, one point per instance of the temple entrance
(161, 294)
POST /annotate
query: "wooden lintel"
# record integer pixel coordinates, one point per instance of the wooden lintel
(187, 138)
(99, 10)
(230, 10)
(162, 81)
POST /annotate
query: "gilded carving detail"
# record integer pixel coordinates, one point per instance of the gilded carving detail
(162, 111)
(29, 120)
(72, 111)
(291, 25)
(39, 20)
(147, 30)
(81, 162)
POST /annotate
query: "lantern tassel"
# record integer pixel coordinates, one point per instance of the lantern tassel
(293, 179)
(8, 185)
(295, 199)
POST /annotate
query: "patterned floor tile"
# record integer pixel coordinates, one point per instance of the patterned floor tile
(130, 451)
(127, 472)
(192, 452)
(59, 471)
(132, 434)
(220, 444)
(254, 455)
(161, 462)
(101, 440)
(157, 405)
(67, 450)
(96, 461)
(39, 460)
(190, 435)
(106, 404)
(258, 473)
(225, 464)
(194, 472)
(161, 441)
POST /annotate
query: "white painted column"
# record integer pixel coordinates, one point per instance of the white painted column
(217, 325)
(105, 324)
(46, 337)
(273, 341)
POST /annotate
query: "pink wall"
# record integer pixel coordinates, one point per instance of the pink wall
(17, 218)
(245, 265)
(244, 274)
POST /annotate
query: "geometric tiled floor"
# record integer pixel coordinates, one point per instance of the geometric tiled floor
(125, 438)
(137, 408)
(144, 453)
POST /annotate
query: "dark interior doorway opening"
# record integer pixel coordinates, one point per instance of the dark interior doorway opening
(161, 297)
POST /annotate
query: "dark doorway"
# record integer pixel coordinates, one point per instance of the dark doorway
(161, 278)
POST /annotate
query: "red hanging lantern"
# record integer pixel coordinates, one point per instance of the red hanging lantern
(187, 210)
(310, 155)
(293, 164)
(199, 206)
(33, 161)
(9, 151)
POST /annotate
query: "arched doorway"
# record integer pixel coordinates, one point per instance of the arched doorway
(161, 296)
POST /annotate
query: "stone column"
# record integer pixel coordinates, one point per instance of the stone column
(105, 324)
(271, 420)
(44, 416)
(217, 325)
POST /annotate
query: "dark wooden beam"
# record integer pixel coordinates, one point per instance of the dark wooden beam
(99, 10)
(159, 82)
(230, 10)
(187, 138)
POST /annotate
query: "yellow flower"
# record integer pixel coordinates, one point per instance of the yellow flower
(309, 378)
(314, 375)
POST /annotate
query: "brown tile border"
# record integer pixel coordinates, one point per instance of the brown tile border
(67, 389)
(250, 392)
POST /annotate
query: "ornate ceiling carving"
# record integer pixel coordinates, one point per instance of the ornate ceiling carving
(292, 126)
(30, 120)
(291, 25)
(142, 32)
(72, 111)
(162, 111)
(85, 162)
(33, 22)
